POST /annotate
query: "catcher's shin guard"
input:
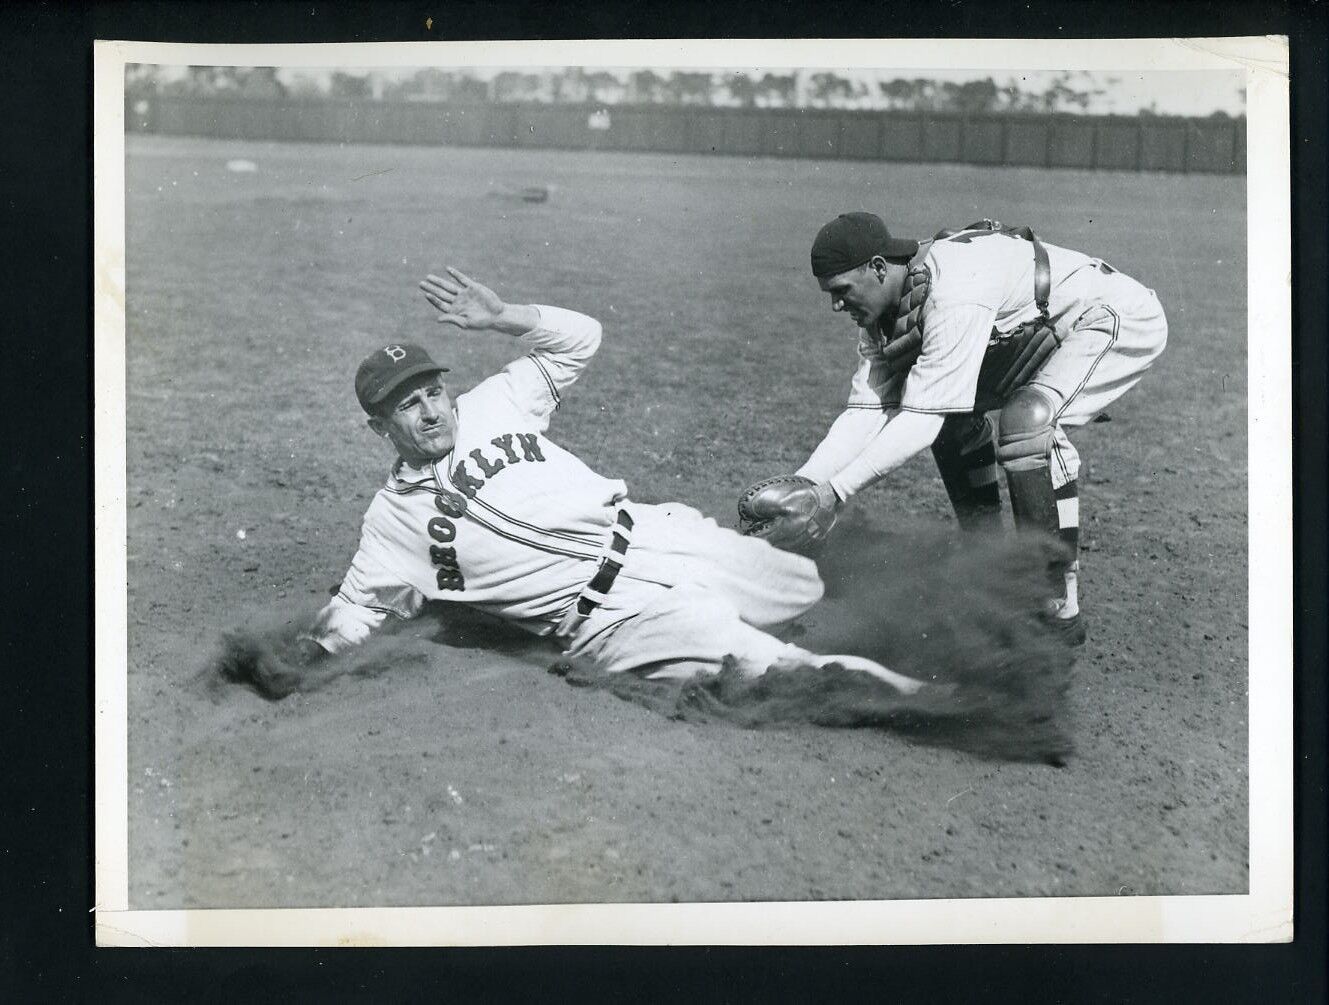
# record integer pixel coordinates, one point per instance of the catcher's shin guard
(1024, 446)
(968, 465)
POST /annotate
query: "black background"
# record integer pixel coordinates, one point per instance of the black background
(46, 882)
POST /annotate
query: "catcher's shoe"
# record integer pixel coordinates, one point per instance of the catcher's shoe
(1071, 631)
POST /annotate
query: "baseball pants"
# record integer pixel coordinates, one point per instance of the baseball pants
(1107, 351)
(691, 593)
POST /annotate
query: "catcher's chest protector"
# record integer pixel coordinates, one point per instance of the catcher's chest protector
(906, 339)
(1011, 358)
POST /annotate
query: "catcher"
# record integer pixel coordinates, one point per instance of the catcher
(482, 508)
(988, 318)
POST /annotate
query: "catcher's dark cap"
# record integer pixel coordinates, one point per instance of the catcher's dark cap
(852, 239)
(383, 371)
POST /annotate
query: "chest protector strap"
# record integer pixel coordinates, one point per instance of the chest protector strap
(1011, 358)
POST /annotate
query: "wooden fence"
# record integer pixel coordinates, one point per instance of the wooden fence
(1128, 143)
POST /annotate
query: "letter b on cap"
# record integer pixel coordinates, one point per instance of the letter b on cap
(395, 352)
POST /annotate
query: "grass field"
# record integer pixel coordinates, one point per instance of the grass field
(252, 296)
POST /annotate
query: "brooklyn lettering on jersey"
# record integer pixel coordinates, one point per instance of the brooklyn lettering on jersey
(515, 448)
(526, 448)
(443, 529)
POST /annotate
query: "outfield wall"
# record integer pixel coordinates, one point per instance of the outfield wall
(1128, 143)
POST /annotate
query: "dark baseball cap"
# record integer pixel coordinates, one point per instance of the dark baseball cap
(852, 239)
(383, 371)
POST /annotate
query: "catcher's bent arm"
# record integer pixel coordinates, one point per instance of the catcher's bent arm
(901, 438)
(852, 430)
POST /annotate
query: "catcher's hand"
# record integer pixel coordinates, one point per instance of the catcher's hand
(789, 511)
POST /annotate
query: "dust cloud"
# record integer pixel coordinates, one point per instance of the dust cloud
(960, 613)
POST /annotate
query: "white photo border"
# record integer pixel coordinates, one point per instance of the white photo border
(1263, 914)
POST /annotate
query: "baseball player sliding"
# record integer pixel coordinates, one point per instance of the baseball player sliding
(483, 508)
(986, 318)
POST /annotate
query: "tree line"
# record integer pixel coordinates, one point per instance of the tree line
(1070, 91)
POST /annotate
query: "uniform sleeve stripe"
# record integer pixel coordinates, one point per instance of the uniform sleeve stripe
(937, 411)
(553, 389)
(373, 607)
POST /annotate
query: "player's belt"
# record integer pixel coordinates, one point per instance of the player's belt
(593, 593)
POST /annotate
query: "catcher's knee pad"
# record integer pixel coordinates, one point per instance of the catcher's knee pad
(1024, 446)
(1025, 430)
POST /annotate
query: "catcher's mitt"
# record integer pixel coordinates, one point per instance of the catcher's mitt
(789, 511)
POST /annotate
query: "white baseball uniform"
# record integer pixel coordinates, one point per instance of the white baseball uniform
(1111, 328)
(518, 526)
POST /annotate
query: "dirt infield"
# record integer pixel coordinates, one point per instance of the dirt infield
(450, 767)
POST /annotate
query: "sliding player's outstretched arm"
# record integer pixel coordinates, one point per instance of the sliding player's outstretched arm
(277, 666)
(560, 341)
